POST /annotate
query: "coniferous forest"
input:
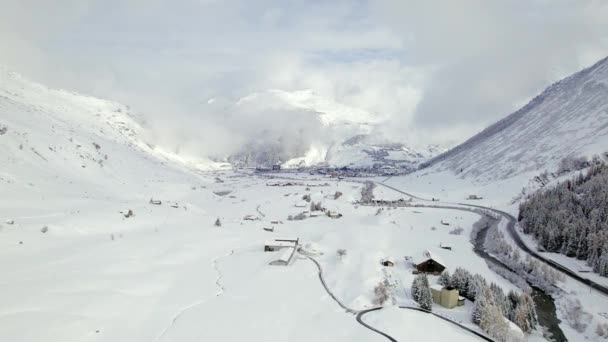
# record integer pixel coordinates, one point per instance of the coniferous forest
(572, 218)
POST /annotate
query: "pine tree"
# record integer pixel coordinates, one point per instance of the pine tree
(477, 284)
(218, 223)
(483, 299)
(416, 290)
(421, 292)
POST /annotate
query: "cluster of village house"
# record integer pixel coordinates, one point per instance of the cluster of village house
(429, 263)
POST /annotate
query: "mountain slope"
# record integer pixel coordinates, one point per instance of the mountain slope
(570, 118)
(58, 137)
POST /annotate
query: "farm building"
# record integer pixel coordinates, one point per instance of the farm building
(429, 263)
(448, 297)
(286, 257)
(278, 244)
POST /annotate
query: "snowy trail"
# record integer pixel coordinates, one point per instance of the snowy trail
(329, 292)
(260, 211)
(182, 311)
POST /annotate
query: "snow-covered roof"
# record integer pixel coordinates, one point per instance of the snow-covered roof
(286, 255)
(276, 243)
(426, 255)
(437, 287)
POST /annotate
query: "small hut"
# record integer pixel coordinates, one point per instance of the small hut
(388, 262)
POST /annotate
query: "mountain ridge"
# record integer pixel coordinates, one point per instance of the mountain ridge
(576, 100)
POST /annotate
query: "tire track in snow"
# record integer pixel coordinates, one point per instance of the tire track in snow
(182, 311)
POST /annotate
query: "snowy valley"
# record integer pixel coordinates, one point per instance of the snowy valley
(106, 237)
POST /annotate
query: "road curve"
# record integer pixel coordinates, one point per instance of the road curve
(413, 308)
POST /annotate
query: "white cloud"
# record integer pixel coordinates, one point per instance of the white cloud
(433, 71)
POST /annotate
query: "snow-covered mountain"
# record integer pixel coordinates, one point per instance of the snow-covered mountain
(568, 119)
(58, 136)
(347, 136)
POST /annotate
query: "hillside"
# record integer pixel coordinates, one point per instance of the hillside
(58, 138)
(532, 138)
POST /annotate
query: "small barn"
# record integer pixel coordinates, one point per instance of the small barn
(278, 244)
(429, 263)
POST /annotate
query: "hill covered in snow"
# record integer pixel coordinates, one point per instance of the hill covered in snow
(58, 136)
(568, 119)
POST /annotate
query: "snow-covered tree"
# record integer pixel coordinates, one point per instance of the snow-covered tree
(382, 292)
(483, 299)
(520, 318)
(421, 292)
(460, 280)
(444, 278)
(572, 217)
(494, 323)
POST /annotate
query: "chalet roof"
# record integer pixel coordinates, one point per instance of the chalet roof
(428, 255)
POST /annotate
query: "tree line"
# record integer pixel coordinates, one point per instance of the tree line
(572, 218)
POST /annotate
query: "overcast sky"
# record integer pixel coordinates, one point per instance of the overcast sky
(431, 71)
